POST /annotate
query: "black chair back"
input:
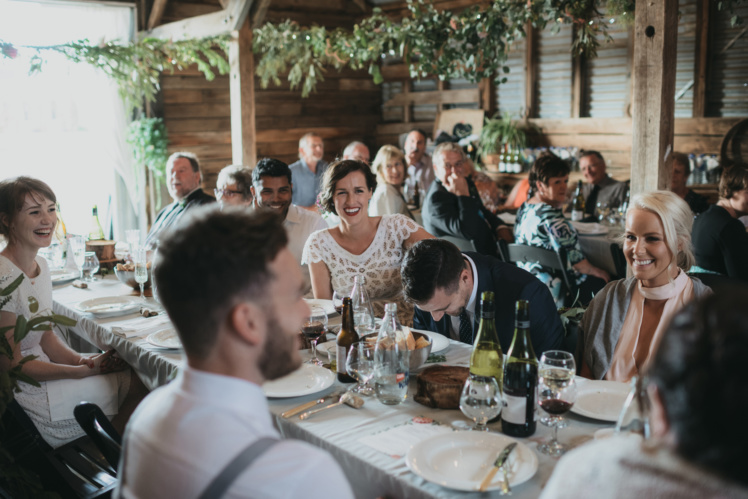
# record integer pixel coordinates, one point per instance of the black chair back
(98, 427)
(551, 259)
(618, 260)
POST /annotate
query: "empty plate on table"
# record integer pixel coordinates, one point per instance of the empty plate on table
(461, 460)
(63, 276)
(439, 341)
(110, 306)
(326, 305)
(600, 399)
(305, 380)
(165, 338)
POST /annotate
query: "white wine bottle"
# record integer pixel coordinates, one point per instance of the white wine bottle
(520, 379)
(486, 359)
(577, 207)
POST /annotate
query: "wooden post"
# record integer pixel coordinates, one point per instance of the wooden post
(702, 58)
(242, 91)
(530, 72)
(656, 35)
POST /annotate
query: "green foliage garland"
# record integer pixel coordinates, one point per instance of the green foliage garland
(137, 66)
(149, 141)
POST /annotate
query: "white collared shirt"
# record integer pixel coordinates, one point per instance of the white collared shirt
(183, 434)
(469, 308)
(299, 224)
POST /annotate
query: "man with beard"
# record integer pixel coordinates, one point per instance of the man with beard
(308, 171)
(419, 163)
(234, 293)
(183, 179)
(272, 189)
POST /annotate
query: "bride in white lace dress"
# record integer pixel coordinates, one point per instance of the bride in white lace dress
(360, 245)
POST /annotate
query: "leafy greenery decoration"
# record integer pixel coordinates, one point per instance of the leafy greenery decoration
(137, 66)
(149, 141)
(502, 130)
(472, 44)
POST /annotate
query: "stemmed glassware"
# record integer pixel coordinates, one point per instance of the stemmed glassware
(337, 299)
(77, 245)
(480, 400)
(313, 329)
(90, 266)
(141, 269)
(360, 364)
(557, 392)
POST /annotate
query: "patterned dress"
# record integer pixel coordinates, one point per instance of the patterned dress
(379, 263)
(544, 226)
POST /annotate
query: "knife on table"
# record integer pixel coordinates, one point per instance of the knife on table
(303, 407)
(497, 465)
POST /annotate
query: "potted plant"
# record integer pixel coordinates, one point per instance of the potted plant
(500, 134)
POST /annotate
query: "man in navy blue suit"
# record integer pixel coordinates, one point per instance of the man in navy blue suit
(446, 286)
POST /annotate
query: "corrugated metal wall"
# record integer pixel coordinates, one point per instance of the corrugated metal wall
(606, 83)
(510, 96)
(686, 57)
(554, 72)
(727, 90)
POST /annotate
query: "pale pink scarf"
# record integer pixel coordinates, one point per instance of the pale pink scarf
(677, 293)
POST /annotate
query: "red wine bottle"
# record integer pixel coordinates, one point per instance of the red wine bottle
(520, 379)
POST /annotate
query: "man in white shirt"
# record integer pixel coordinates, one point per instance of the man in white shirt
(358, 151)
(272, 189)
(234, 293)
(419, 163)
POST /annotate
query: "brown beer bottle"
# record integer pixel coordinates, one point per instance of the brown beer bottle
(346, 337)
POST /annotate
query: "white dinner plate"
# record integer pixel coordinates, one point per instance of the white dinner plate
(327, 305)
(110, 306)
(306, 380)
(439, 341)
(600, 399)
(63, 276)
(460, 460)
(165, 338)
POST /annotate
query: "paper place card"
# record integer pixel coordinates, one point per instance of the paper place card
(397, 441)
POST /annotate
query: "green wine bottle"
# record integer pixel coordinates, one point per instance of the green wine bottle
(486, 359)
(520, 379)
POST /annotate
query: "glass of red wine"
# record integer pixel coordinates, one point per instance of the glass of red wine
(557, 392)
(312, 329)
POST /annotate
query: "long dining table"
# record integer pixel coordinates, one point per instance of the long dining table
(370, 443)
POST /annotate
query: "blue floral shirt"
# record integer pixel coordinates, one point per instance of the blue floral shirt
(544, 226)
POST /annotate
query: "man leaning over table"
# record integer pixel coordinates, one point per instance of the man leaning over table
(272, 189)
(446, 287)
(599, 187)
(237, 314)
(183, 181)
(308, 171)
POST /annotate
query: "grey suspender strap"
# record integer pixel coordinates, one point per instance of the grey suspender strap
(220, 484)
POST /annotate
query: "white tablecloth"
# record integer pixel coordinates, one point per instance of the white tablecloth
(371, 472)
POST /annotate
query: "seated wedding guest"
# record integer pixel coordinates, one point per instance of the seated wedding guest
(419, 168)
(681, 172)
(183, 180)
(488, 191)
(358, 151)
(27, 220)
(623, 325)
(453, 206)
(446, 286)
(233, 186)
(389, 166)
(698, 401)
(308, 171)
(720, 240)
(238, 316)
(372, 247)
(540, 222)
(272, 189)
(599, 187)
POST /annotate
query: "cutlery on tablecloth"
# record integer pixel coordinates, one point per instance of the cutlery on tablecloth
(309, 405)
(347, 398)
(499, 464)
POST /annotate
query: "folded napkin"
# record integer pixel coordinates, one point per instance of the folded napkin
(141, 326)
(590, 228)
(65, 394)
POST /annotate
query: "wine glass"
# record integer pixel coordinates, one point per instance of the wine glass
(360, 364)
(77, 245)
(133, 240)
(337, 299)
(557, 392)
(141, 270)
(90, 266)
(312, 329)
(480, 400)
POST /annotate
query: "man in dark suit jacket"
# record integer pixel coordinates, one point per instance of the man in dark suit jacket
(453, 206)
(446, 287)
(183, 179)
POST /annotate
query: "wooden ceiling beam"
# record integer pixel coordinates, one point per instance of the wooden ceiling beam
(213, 24)
(157, 13)
(259, 12)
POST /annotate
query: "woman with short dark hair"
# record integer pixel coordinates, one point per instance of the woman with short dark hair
(363, 245)
(541, 222)
(720, 241)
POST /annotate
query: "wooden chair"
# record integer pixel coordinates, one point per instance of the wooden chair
(551, 259)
